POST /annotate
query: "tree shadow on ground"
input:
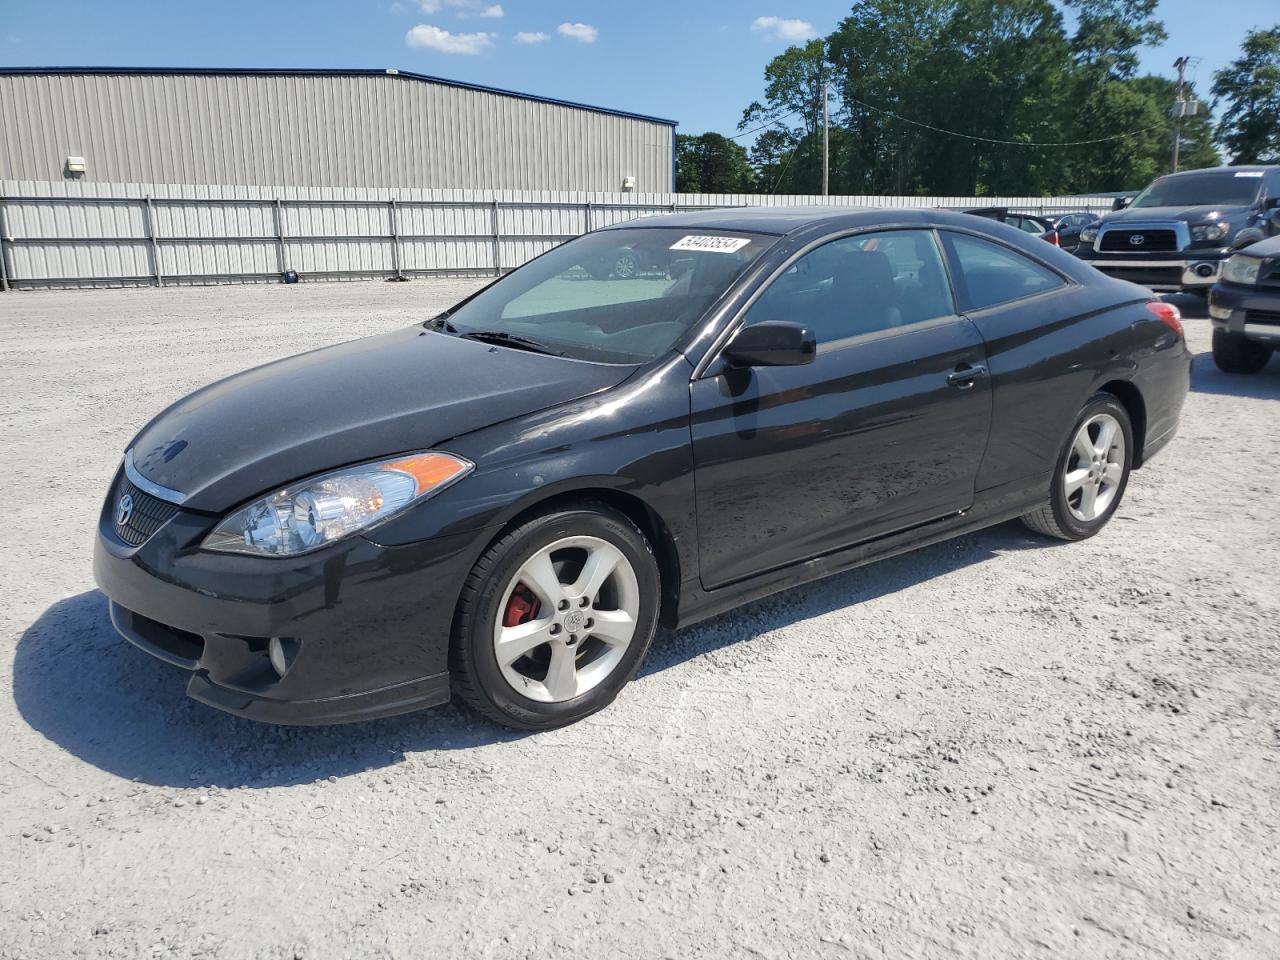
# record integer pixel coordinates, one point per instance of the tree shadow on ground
(93, 694)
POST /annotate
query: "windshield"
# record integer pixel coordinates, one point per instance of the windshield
(617, 296)
(1221, 188)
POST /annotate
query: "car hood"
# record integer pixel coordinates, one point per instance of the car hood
(1264, 248)
(376, 397)
(1188, 214)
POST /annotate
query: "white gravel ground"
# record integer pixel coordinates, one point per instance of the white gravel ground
(996, 747)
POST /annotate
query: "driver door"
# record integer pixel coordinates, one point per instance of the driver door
(884, 430)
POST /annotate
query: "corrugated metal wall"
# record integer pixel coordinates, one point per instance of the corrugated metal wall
(368, 130)
(70, 234)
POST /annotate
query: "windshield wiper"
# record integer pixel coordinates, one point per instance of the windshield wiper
(504, 339)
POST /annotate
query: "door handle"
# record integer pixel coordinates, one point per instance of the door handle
(965, 375)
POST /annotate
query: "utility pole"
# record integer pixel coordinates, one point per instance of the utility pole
(1179, 108)
(826, 145)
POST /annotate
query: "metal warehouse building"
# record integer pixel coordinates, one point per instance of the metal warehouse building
(318, 128)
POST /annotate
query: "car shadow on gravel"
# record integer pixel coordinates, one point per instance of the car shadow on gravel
(1207, 378)
(852, 587)
(76, 682)
(85, 688)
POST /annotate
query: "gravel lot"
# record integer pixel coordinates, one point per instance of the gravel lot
(995, 747)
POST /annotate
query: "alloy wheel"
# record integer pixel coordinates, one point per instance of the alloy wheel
(1095, 467)
(566, 619)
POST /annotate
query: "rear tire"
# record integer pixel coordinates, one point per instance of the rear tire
(1091, 473)
(1235, 353)
(555, 618)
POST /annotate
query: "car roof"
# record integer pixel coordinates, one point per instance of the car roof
(780, 221)
(1243, 168)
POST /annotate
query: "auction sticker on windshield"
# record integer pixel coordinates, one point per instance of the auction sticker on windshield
(711, 244)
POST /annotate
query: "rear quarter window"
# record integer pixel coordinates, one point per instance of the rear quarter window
(989, 274)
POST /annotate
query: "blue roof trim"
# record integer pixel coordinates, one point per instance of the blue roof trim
(324, 72)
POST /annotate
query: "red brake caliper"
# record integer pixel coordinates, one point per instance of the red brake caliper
(521, 608)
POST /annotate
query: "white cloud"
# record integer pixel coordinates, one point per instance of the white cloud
(429, 6)
(528, 37)
(583, 32)
(493, 10)
(784, 29)
(434, 38)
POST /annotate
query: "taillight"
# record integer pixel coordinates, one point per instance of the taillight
(1053, 238)
(1167, 314)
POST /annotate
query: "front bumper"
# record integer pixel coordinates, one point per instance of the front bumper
(1163, 273)
(367, 626)
(1253, 312)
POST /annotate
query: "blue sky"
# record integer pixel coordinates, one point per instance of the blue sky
(699, 62)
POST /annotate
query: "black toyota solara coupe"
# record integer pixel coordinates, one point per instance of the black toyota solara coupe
(505, 501)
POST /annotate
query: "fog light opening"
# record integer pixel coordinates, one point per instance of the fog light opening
(281, 651)
(1205, 270)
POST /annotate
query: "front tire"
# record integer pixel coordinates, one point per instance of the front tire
(555, 618)
(1234, 353)
(1091, 473)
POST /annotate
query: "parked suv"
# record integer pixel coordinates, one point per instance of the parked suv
(1245, 308)
(1176, 234)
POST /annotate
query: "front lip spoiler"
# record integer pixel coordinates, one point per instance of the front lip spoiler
(390, 701)
(406, 697)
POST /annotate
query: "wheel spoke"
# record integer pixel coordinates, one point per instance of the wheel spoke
(562, 675)
(1083, 445)
(601, 561)
(540, 576)
(1088, 500)
(514, 642)
(1112, 474)
(614, 627)
(1106, 436)
(1075, 480)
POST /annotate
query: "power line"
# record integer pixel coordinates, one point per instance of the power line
(776, 120)
(1009, 143)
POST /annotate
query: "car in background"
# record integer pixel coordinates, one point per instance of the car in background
(1037, 226)
(1069, 226)
(1176, 234)
(503, 502)
(1244, 306)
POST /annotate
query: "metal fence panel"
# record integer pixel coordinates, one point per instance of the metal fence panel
(72, 234)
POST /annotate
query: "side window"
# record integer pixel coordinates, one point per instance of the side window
(861, 284)
(992, 274)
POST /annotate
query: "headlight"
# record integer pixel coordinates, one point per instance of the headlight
(1088, 234)
(1209, 231)
(316, 512)
(1241, 269)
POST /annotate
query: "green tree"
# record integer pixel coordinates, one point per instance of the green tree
(1109, 33)
(791, 148)
(972, 97)
(1250, 125)
(712, 163)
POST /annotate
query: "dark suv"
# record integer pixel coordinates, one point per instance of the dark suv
(1176, 234)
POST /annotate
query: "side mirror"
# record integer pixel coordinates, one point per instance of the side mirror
(1271, 203)
(774, 343)
(1274, 221)
(1119, 203)
(1247, 238)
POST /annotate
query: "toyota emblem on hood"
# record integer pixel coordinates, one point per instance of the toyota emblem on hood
(1137, 240)
(124, 510)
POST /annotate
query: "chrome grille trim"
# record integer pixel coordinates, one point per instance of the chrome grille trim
(150, 486)
(148, 513)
